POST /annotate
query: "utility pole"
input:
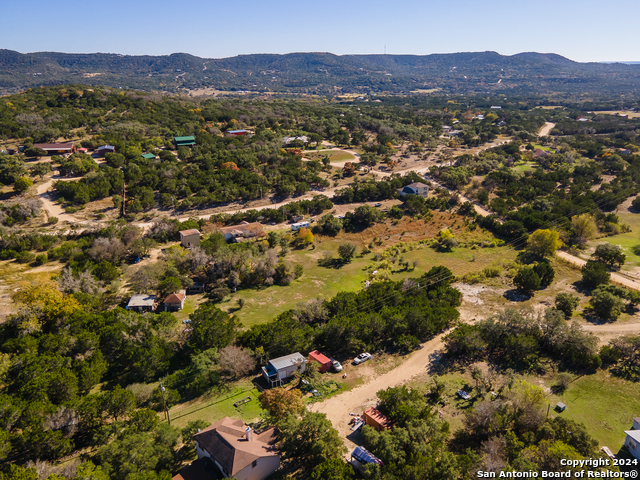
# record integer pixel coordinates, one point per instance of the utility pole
(164, 405)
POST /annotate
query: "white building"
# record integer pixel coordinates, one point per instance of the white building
(278, 371)
(299, 225)
(632, 442)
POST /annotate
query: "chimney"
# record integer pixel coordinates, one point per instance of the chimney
(249, 433)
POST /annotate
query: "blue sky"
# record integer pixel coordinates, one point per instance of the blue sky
(583, 30)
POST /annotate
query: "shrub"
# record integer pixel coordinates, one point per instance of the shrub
(25, 257)
(527, 280)
(42, 259)
(595, 274)
(566, 303)
(607, 305)
(546, 273)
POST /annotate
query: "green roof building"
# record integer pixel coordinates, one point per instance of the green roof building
(149, 156)
(184, 141)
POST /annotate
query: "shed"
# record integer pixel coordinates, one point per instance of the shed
(325, 363)
(364, 456)
(188, 141)
(375, 419)
(142, 302)
(279, 370)
(560, 407)
(190, 238)
(149, 156)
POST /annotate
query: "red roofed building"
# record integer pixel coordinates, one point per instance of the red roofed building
(238, 451)
(374, 418)
(175, 301)
(325, 363)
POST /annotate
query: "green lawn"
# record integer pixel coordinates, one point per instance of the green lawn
(604, 403)
(625, 240)
(264, 304)
(334, 156)
(212, 407)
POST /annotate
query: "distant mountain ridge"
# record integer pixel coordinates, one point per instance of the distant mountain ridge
(319, 73)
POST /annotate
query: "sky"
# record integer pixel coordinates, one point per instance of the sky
(582, 30)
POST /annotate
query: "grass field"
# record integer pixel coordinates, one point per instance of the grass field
(626, 240)
(262, 305)
(214, 406)
(334, 156)
(605, 404)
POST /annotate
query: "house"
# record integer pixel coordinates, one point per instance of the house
(278, 371)
(82, 150)
(325, 363)
(56, 148)
(375, 419)
(582, 119)
(237, 450)
(236, 133)
(495, 107)
(632, 441)
(537, 153)
(190, 238)
(142, 302)
(149, 156)
(243, 230)
(287, 140)
(414, 188)
(175, 301)
(188, 141)
(297, 226)
(201, 469)
(104, 149)
(196, 288)
(502, 123)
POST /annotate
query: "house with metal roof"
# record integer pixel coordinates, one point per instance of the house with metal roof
(632, 441)
(414, 188)
(238, 451)
(149, 156)
(142, 302)
(279, 370)
(187, 141)
(55, 148)
(104, 149)
(243, 230)
(190, 238)
(237, 133)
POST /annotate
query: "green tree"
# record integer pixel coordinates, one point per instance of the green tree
(595, 274)
(169, 285)
(330, 225)
(35, 152)
(584, 228)
(312, 440)
(334, 469)
(22, 184)
(118, 403)
(40, 169)
(611, 255)
(212, 328)
(544, 243)
(280, 403)
(606, 305)
(566, 303)
(527, 280)
(346, 251)
(143, 420)
(545, 272)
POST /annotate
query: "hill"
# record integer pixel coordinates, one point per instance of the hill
(321, 73)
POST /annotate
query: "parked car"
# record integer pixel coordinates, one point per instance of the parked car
(464, 394)
(363, 357)
(186, 320)
(377, 205)
(336, 365)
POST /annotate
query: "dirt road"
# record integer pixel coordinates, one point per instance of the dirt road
(615, 277)
(544, 131)
(338, 408)
(613, 328)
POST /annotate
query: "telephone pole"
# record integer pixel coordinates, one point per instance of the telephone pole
(164, 405)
